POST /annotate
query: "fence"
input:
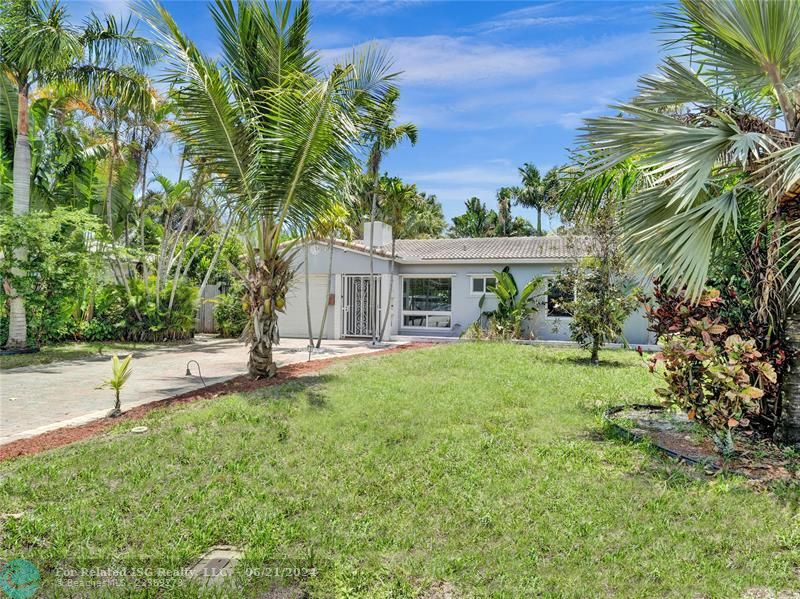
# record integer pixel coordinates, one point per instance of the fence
(205, 322)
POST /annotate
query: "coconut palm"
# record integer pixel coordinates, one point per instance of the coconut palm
(382, 136)
(275, 129)
(39, 46)
(716, 134)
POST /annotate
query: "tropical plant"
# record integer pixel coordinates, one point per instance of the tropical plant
(229, 313)
(477, 221)
(426, 218)
(504, 197)
(38, 46)
(537, 192)
(709, 321)
(717, 384)
(605, 291)
(605, 295)
(715, 134)
(120, 373)
(514, 306)
(382, 135)
(277, 131)
(55, 275)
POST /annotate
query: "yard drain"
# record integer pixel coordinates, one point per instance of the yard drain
(216, 564)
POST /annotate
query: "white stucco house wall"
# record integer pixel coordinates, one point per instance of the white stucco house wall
(437, 285)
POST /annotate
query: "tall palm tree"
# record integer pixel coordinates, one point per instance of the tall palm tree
(537, 192)
(275, 129)
(714, 135)
(37, 46)
(398, 201)
(382, 136)
(504, 197)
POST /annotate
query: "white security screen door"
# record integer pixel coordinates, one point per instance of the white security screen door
(358, 307)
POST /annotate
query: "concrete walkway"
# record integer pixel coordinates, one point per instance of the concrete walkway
(37, 399)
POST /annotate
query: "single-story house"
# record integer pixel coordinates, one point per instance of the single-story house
(435, 289)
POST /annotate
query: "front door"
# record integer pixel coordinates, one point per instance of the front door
(360, 312)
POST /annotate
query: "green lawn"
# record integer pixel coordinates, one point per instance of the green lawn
(69, 351)
(481, 469)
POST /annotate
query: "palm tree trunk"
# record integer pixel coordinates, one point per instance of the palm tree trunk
(215, 257)
(260, 363)
(145, 273)
(373, 304)
(328, 292)
(110, 186)
(308, 294)
(790, 384)
(389, 299)
(539, 221)
(17, 321)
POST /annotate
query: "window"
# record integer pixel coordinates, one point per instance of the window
(557, 297)
(427, 302)
(480, 284)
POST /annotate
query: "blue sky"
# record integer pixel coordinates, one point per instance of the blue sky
(490, 84)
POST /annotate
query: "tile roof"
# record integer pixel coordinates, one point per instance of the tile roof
(485, 248)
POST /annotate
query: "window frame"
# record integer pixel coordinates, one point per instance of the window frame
(485, 278)
(425, 313)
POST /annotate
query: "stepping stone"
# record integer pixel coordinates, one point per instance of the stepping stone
(216, 564)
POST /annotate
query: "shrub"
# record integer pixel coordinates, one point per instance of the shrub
(713, 368)
(229, 312)
(137, 317)
(54, 274)
(718, 385)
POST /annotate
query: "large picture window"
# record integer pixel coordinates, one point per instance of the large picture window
(427, 302)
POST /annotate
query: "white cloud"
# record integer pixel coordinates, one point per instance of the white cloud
(504, 24)
(363, 8)
(488, 174)
(440, 61)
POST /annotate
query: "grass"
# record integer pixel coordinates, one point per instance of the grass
(478, 469)
(69, 351)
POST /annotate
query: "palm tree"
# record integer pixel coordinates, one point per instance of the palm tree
(37, 46)
(715, 135)
(275, 129)
(334, 221)
(398, 201)
(477, 220)
(504, 197)
(536, 191)
(426, 220)
(382, 135)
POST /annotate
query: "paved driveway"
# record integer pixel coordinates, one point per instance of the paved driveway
(36, 399)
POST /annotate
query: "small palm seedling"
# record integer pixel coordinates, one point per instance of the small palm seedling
(120, 373)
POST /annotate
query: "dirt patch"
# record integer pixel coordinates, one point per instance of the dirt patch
(758, 459)
(240, 384)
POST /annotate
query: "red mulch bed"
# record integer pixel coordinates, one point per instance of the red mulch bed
(243, 383)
